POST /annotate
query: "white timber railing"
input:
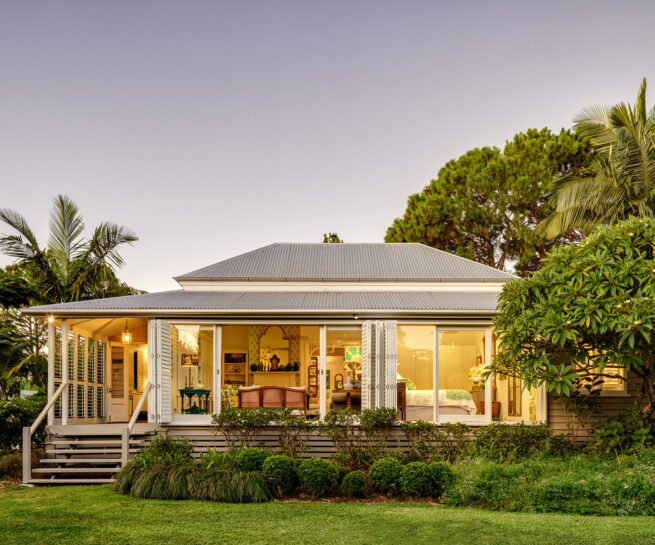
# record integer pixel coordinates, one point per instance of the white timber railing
(29, 431)
(125, 444)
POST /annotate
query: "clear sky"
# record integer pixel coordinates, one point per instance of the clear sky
(212, 128)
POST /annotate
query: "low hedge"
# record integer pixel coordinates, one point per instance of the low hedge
(317, 476)
(281, 474)
(16, 414)
(353, 484)
(385, 475)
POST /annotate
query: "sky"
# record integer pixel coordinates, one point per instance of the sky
(213, 128)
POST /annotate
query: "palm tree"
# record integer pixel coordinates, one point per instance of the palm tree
(70, 267)
(620, 181)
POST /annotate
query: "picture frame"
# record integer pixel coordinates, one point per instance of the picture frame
(338, 381)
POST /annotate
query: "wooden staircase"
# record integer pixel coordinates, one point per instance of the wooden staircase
(87, 454)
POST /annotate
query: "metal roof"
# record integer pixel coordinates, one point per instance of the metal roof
(199, 302)
(349, 262)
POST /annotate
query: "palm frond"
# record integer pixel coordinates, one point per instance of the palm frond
(66, 229)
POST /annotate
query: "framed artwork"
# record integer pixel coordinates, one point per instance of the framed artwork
(338, 381)
(327, 380)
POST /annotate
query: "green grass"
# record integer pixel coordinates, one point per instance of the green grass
(95, 514)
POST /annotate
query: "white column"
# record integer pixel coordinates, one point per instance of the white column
(488, 340)
(218, 361)
(435, 375)
(51, 370)
(64, 371)
(322, 394)
(152, 367)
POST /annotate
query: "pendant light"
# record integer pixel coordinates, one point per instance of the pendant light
(126, 337)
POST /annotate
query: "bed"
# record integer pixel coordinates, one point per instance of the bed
(420, 403)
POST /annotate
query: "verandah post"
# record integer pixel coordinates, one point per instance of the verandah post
(51, 370)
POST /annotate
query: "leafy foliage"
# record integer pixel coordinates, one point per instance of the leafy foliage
(442, 477)
(252, 458)
(385, 475)
(281, 474)
(353, 484)
(15, 414)
(317, 476)
(626, 433)
(359, 437)
(591, 307)
(510, 442)
(429, 442)
(331, 238)
(69, 268)
(620, 181)
(416, 480)
(11, 466)
(486, 204)
(581, 485)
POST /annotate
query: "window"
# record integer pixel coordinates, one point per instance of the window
(415, 344)
(461, 367)
(192, 358)
(615, 384)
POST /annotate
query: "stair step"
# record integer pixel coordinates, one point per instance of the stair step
(71, 481)
(81, 461)
(89, 451)
(76, 470)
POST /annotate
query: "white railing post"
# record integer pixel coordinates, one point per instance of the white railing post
(27, 455)
(64, 371)
(51, 370)
(125, 446)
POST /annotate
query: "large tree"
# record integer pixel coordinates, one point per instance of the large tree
(590, 308)
(620, 181)
(486, 204)
(70, 267)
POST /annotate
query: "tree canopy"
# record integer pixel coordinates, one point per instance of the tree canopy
(70, 267)
(486, 204)
(620, 181)
(590, 308)
(331, 238)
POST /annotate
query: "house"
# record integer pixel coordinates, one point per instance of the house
(347, 325)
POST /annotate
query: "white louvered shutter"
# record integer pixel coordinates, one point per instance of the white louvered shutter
(390, 364)
(367, 362)
(164, 372)
(378, 367)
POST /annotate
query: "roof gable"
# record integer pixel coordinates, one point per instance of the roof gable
(410, 262)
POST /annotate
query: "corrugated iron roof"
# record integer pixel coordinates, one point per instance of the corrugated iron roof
(352, 262)
(359, 301)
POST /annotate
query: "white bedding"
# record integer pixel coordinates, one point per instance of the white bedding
(425, 398)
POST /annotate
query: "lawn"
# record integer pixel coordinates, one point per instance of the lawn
(95, 514)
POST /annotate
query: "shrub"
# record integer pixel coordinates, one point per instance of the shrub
(252, 458)
(385, 475)
(359, 438)
(430, 442)
(353, 484)
(167, 447)
(230, 485)
(584, 484)
(15, 414)
(240, 426)
(442, 477)
(416, 480)
(293, 433)
(626, 433)
(11, 466)
(508, 442)
(280, 474)
(342, 471)
(215, 458)
(317, 476)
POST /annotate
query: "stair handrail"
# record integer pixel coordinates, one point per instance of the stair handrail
(28, 431)
(125, 444)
